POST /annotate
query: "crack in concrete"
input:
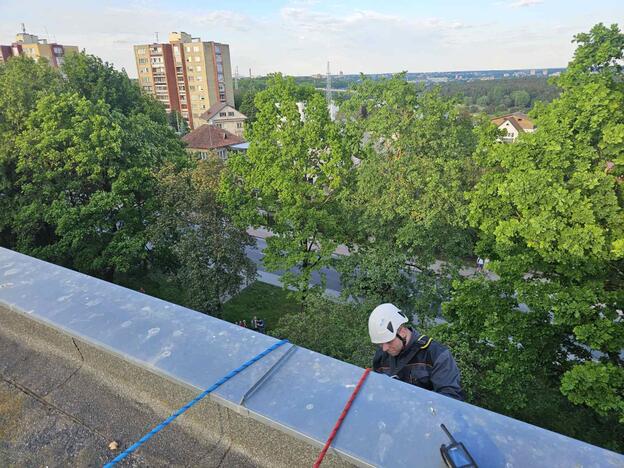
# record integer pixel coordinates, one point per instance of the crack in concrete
(51, 406)
(74, 372)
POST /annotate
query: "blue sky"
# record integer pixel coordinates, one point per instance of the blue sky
(299, 36)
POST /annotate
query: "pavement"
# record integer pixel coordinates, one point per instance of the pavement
(332, 277)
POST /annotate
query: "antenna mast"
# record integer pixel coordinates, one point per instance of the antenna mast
(328, 88)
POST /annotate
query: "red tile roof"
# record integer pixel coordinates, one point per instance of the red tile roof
(214, 110)
(517, 119)
(210, 137)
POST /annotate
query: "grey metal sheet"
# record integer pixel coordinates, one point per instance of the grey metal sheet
(390, 423)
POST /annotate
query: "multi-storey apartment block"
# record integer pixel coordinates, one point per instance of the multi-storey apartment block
(33, 47)
(187, 75)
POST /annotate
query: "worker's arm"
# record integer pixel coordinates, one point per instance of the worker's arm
(377, 360)
(445, 376)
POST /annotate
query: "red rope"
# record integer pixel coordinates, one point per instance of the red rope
(334, 431)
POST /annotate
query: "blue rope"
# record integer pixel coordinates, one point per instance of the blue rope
(168, 421)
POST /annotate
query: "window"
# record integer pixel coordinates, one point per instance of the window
(176, 50)
(203, 106)
(146, 79)
(219, 68)
(198, 78)
(222, 114)
(217, 49)
(197, 58)
(198, 68)
(230, 114)
(222, 97)
(142, 61)
(189, 68)
(141, 51)
(239, 124)
(220, 76)
(195, 48)
(188, 48)
(219, 125)
(200, 88)
(221, 87)
(191, 88)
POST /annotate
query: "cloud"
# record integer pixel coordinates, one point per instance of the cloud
(525, 3)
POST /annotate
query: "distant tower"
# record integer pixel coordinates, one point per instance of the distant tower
(23, 28)
(157, 38)
(249, 72)
(328, 88)
(236, 78)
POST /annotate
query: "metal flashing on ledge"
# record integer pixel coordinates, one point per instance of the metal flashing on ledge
(301, 393)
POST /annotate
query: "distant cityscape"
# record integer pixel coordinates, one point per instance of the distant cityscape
(444, 77)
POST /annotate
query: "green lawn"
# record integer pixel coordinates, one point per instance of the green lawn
(155, 284)
(265, 301)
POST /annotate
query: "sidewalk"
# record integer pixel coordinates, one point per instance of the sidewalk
(262, 233)
(275, 280)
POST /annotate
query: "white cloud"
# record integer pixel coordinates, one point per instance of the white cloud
(525, 3)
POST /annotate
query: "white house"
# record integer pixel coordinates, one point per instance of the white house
(514, 124)
(224, 116)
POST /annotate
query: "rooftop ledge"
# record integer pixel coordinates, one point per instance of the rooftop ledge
(390, 423)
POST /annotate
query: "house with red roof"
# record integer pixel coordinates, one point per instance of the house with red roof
(514, 124)
(210, 139)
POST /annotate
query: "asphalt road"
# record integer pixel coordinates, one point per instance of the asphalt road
(255, 253)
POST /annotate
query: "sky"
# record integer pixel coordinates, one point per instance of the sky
(299, 37)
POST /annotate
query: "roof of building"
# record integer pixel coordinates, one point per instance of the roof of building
(211, 137)
(521, 121)
(214, 110)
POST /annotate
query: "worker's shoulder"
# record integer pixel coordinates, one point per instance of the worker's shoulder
(430, 346)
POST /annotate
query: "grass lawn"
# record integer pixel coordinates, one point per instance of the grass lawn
(265, 301)
(155, 284)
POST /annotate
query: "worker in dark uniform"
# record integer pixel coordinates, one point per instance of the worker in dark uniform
(405, 355)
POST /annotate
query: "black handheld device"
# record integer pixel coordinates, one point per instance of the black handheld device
(455, 454)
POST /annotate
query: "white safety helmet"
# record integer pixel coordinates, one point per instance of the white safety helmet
(384, 322)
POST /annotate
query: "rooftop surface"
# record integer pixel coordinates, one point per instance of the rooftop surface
(210, 137)
(156, 356)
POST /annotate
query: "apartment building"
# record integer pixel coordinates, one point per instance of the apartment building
(31, 46)
(186, 74)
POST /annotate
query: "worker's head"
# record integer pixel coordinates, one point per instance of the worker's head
(386, 329)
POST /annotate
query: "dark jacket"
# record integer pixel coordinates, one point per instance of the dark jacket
(424, 363)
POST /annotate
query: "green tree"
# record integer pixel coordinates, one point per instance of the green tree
(22, 82)
(483, 101)
(296, 171)
(96, 80)
(87, 182)
(550, 216)
(408, 209)
(521, 98)
(334, 328)
(248, 106)
(178, 123)
(206, 251)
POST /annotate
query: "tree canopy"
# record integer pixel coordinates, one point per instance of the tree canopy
(292, 180)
